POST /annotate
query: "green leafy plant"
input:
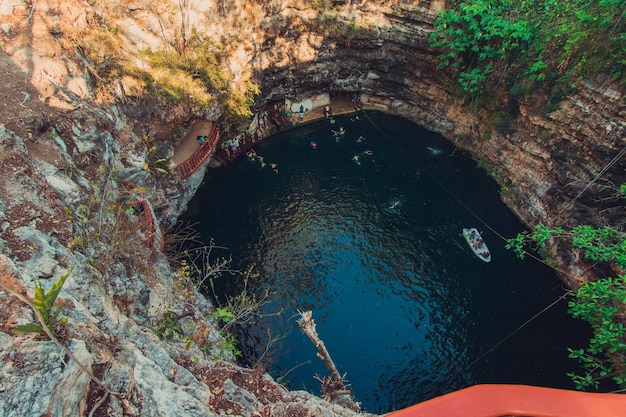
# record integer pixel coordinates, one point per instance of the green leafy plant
(168, 327)
(192, 74)
(475, 35)
(230, 345)
(602, 303)
(43, 303)
(223, 314)
(199, 267)
(527, 43)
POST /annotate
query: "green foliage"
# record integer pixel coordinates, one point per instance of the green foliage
(186, 78)
(198, 78)
(505, 189)
(193, 74)
(168, 327)
(601, 303)
(554, 42)
(603, 244)
(475, 35)
(156, 163)
(229, 344)
(223, 314)
(43, 302)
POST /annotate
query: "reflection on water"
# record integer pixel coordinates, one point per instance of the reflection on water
(374, 249)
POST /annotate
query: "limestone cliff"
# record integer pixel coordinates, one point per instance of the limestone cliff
(80, 171)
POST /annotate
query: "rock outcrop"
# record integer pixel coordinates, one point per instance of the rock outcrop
(75, 163)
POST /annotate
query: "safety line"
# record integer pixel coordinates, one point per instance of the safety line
(520, 327)
(490, 228)
(462, 203)
(596, 178)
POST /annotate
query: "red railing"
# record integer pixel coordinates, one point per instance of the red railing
(200, 155)
(246, 140)
(151, 227)
(518, 400)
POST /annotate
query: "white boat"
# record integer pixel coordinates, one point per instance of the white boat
(477, 244)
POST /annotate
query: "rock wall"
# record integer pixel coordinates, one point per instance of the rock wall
(75, 160)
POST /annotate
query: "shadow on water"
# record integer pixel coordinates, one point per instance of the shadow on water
(373, 247)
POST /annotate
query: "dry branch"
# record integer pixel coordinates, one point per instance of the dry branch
(335, 387)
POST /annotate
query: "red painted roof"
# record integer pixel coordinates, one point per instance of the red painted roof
(518, 400)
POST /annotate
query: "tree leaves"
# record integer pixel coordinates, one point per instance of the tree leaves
(541, 40)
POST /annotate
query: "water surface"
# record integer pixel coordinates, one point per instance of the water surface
(374, 249)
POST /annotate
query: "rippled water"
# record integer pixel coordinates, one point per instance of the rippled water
(402, 304)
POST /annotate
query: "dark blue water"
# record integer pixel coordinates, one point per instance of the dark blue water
(405, 308)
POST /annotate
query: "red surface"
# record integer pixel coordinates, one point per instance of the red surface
(518, 400)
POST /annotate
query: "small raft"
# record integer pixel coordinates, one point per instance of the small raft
(477, 244)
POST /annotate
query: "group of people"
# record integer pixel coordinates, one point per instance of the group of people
(278, 116)
(234, 146)
(254, 157)
(477, 240)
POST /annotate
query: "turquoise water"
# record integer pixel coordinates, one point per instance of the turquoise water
(374, 248)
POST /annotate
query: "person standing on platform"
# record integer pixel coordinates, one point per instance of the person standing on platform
(328, 112)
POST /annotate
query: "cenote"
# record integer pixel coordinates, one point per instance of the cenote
(405, 308)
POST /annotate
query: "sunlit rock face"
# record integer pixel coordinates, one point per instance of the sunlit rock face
(72, 159)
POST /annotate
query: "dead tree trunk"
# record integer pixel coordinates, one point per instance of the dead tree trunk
(335, 389)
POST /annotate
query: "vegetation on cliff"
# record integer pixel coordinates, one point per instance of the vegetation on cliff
(602, 303)
(520, 46)
(526, 44)
(193, 74)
